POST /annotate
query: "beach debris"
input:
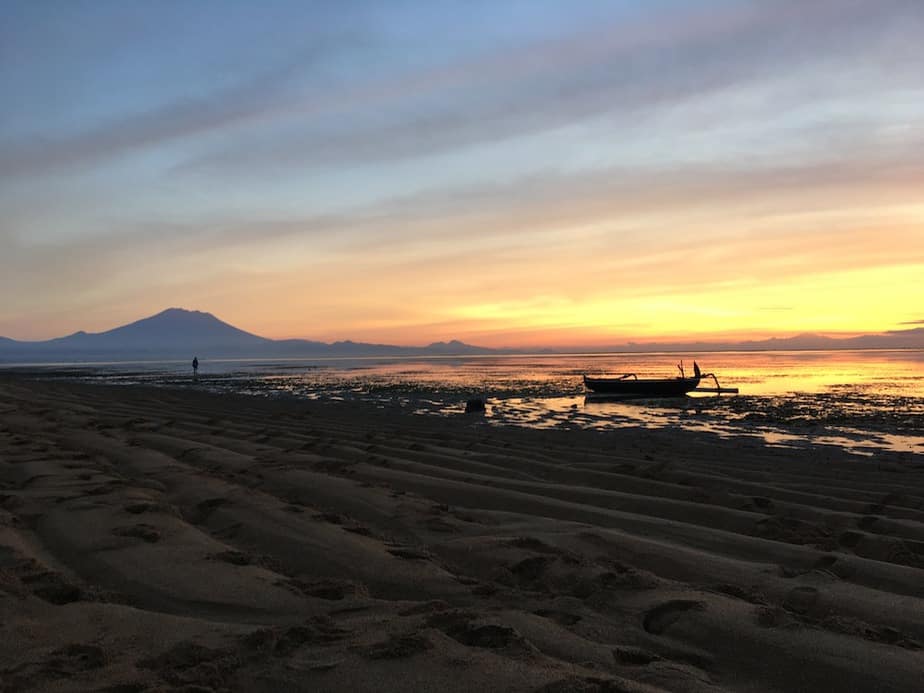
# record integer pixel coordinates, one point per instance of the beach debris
(474, 406)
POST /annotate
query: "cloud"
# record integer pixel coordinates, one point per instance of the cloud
(544, 204)
(250, 100)
(623, 71)
(621, 68)
(820, 199)
(725, 225)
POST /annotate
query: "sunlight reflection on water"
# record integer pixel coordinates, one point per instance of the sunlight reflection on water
(859, 400)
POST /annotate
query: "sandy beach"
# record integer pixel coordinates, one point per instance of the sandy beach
(171, 539)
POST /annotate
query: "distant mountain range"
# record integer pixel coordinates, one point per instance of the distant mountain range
(894, 339)
(178, 333)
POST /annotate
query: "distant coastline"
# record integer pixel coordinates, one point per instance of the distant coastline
(180, 333)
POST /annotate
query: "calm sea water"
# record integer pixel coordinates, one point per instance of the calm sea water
(864, 401)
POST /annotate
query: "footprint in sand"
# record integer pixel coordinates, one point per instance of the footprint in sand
(47, 585)
(314, 664)
(462, 627)
(333, 590)
(278, 642)
(583, 684)
(410, 554)
(850, 539)
(397, 647)
(142, 531)
(438, 524)
(150, 507)
(562, 618)
(233, 557)
(80, 657)
(619, 578)
(430, 607)
(313, 633)
(228, 532)
(490, 636)
(485, 589)
(205, 508)
(62, 664)
(533, 544)
(361, 530)
(887, 500)
(772, 617)
(660, 618)
(801, 599)
(531, 569)
(194, 666)
(749, 594)
(833, 566)
(634, 656)
(108, 487)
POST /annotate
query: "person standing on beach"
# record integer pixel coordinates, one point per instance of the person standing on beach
(195, 367)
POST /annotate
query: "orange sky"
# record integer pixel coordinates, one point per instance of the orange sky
(543, 175)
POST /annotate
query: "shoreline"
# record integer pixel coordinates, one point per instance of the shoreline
(776, 419)
(155, 537)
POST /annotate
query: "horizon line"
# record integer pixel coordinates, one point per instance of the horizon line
(715, 340)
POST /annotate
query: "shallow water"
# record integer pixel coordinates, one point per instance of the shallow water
(863, 401)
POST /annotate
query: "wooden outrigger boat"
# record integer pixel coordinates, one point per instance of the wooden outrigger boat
(630, 385)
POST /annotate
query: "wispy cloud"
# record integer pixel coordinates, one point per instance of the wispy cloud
(620, 69)
(249, 100)
(623, 71)
(470, 243)
(714, 150)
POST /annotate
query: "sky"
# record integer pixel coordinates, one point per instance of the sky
(508, 173)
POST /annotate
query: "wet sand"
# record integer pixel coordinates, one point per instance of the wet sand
(156, 539)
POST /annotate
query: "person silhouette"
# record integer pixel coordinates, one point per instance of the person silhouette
(195, 366)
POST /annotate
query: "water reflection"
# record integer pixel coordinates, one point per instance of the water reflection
(861, 400)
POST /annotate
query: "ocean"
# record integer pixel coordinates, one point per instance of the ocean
(861, 401)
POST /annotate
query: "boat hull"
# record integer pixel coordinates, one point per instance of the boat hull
(626, 387)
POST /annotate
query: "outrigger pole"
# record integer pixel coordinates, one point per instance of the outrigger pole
(718, 389)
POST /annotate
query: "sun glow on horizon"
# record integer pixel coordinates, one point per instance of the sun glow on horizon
(540, 176)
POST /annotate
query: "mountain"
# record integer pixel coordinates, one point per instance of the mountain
(172, 328)
(179, 333)
(457, 348)
(895, 339)
(173, 332)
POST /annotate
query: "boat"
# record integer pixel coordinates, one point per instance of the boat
(630, 385)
